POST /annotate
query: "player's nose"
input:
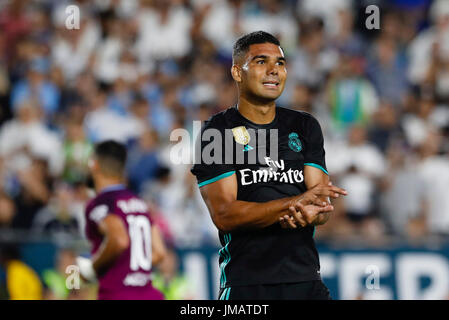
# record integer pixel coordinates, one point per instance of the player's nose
(272, 70)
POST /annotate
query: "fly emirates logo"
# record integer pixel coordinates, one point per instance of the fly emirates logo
(274, 172)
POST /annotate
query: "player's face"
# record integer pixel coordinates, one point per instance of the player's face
(92, 164)
(264, 71)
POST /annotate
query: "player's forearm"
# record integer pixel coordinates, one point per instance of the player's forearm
(157, 257)
(251, 215)
(158, 250)
(109, 251)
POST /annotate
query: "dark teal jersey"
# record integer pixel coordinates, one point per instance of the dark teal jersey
(268, 162)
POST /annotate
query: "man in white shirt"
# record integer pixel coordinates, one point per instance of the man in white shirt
(26, 135)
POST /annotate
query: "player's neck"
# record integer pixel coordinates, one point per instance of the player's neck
(263, 113)
(105, 182)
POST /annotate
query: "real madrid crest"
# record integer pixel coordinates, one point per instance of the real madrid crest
(241, 135)
(294, 143)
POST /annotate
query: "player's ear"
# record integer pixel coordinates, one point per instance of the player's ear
(236, 73)
(92, 164)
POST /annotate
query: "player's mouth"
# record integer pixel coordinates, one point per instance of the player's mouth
(271, 84)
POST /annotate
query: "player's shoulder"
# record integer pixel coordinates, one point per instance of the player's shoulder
(108, 198)
(97, 208)
(293, 113)
(118, 202)
(294, 117)
(92, 203)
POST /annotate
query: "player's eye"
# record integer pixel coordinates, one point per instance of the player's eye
(280, 63)
(260, 61)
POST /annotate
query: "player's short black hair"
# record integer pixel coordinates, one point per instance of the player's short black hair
(111, 156)
(241, 46)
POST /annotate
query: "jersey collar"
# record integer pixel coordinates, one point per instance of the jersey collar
(256, 125)
(113, 187)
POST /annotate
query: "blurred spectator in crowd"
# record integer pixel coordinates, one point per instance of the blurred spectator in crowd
(430, 48)
(167, 198)
(221, 22)
(26, 136)
(72, 49)
(328, 11)
(102, 123)
(7, 210)
(227, 19)
(143, 160)
(163, 30)
(55, 280)
(120, 97)
(77, 150)
(386, 68)
(4, 75)
(351, 96)
(359, 165)
(357, 153)
(139, 117)
(345, 37)
(40, 26)
(313, 59)
(34, 193)
(385, 127)
(22, 282)
(422, 118)
(182, 208)
(433, 170)
(58, 218)
(15, 23)
(170, 281)
(275, 19)
(163, 113)
(403, 183)
(75, 98)
(36, 86)
(110, 49)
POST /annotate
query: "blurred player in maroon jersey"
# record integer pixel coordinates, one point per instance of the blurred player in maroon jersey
(125, 242)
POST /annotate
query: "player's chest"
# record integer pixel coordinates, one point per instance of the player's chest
(253, 146)
(269, 155)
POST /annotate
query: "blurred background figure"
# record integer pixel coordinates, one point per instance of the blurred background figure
(7, 211)
(173, 284)
(77, 150)
(433, 170)
(22, 282)
(359, 165)
(55, 280)
(143, 162)
(58, 218)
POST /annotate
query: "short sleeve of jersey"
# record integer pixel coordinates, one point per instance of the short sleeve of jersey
(98, 213)
(314, 152)
(207, 171)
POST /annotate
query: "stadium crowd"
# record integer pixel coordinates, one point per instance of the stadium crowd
(135, 70)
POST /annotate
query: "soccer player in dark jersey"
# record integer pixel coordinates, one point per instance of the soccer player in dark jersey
(266, 210)
(125, 242)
